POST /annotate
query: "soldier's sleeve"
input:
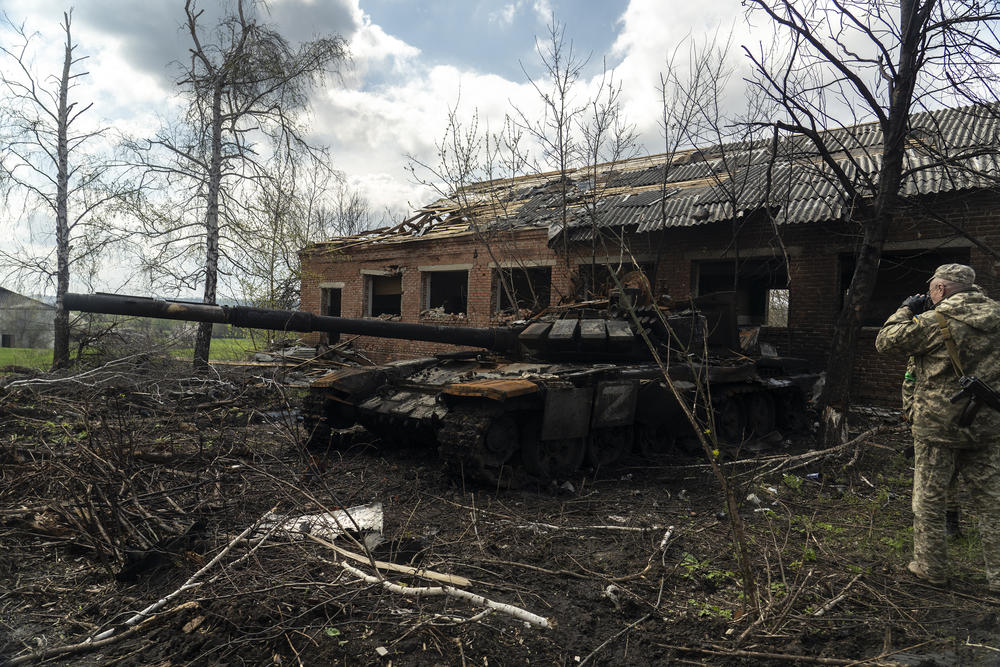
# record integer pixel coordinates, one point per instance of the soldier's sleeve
(905, 334)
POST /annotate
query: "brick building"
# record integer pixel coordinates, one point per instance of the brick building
(770, 225)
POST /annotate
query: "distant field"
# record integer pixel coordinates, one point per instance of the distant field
(22, 356)
(223, 349)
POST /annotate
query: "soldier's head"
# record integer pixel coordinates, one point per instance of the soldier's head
(950, 279)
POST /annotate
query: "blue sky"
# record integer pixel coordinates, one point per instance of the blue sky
(491, 36)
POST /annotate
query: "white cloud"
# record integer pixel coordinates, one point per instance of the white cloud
(543, 10)
(505, 16)
(651, 34)
(373, 50)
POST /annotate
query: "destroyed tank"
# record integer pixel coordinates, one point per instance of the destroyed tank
(577, 387)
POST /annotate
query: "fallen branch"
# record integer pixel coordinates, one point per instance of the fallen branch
(450, 591)
(77, 378)
(968, 642)
(800, 459)
(661, 551)
(613, 637)
(452, 579)
(192, 582)
(93, 645)
(507, 519)
(790, 657)
(534, 525)
(833, 603)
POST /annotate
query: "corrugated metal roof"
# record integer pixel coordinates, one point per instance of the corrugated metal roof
(947, 150)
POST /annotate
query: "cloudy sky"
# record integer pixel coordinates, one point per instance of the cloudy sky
(410, 61)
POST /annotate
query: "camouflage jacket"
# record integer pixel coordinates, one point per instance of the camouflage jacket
(906, 392)
(974, 321)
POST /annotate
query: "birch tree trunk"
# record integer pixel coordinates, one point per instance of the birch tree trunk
(60, 345)
(203, 341)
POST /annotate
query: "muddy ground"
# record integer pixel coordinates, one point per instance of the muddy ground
(118, 486)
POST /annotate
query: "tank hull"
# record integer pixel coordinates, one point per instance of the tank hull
(505, 423)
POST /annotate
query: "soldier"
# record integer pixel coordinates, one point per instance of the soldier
(952, 519)
(955, 334)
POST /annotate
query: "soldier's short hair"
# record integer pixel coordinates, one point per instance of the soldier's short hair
(958, 274)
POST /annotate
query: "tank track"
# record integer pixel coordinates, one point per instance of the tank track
(315, 421)
(461, 445)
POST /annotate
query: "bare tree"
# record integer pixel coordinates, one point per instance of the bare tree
(871, 60)
(477, 169)
(556, 132)
(348, 214)
(301, 203)
(48, 156)
(247, 90)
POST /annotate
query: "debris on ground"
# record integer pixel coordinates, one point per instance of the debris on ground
(144, 518)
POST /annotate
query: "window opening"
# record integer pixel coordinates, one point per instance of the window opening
(900, 274)
(777, 308)
(531, 287)
(596, 280)
(330, 305)
(6, 340)
(385, 295)
(757, 284)
(447, 290)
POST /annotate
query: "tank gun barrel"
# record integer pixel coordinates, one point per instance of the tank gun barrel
(500, 340)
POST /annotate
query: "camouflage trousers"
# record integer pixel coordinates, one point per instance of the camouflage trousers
(935, 469)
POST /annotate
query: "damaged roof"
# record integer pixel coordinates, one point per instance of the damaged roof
(947, 151)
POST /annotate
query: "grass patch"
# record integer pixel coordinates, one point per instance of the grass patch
(223, 349)
(24, 356)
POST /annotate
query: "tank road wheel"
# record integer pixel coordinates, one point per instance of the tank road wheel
(553, 459)
(655, 443)
(500, 441)
(608, 445)
(791, 412)
(477, 441)
(315, 421)
(730, 419)
(760, 413)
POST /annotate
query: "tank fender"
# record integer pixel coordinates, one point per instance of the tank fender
(496, 389)
(353, 384)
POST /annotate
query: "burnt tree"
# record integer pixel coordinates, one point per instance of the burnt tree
(864, 60)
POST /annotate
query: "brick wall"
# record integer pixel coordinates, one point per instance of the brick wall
(814, 283)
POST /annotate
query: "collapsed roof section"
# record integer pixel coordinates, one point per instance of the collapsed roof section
(948, 151)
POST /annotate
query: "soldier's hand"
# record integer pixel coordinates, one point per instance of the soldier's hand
(917, 303)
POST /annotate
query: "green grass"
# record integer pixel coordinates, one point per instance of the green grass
(223, 349)
(23, 356)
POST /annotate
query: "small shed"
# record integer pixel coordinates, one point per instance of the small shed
(24, 322)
